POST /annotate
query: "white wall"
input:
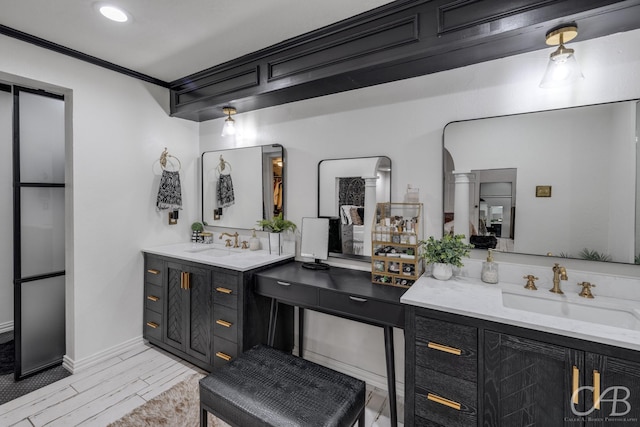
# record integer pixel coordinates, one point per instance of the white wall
(366, 122)
(117, 128)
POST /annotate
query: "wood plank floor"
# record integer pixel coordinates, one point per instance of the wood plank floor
(104, 393)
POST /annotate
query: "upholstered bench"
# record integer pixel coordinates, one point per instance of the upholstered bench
(267, 387)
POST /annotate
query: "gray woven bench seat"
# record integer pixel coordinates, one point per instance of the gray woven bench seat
(266, 387)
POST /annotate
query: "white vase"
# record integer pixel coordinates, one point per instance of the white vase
(441, 271)
(275, 246)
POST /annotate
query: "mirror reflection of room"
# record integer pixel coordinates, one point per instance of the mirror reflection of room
(253, 182)
(586, 155)
(349, 190)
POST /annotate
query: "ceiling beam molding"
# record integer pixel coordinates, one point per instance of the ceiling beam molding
(401, 40)
(46, 44)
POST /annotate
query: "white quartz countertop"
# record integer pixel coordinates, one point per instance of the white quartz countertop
(471, 297)
(218, 255)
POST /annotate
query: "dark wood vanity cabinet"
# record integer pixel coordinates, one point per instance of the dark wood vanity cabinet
(203, 314)
(462, 371)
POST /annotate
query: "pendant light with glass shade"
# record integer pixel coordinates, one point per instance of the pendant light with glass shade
(229, 128)
(563, 68)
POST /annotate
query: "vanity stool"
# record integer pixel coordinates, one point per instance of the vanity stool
(267, 387)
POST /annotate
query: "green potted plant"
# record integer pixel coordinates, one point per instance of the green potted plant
(276, 226)
(196, 229)
(445, 254)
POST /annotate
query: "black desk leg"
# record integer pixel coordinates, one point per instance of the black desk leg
(273, 317)
(300, 330)
(391, 373)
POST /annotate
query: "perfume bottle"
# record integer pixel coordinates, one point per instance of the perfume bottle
(489, 269)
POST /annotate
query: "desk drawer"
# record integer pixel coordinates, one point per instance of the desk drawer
(153, 297)
(464, 364)
(225, 280)
(433, 412)
(287, 292)
(362, 308)
(225, 296)
(447, 385)
(225, 322)
(153, 271)
(152, 325)
(223, 351)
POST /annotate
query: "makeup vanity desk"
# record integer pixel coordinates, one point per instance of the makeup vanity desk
(340, 292)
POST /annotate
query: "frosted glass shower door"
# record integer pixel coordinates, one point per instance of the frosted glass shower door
(39, 230)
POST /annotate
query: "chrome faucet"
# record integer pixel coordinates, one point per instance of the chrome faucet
(559, 273)
(235, 237)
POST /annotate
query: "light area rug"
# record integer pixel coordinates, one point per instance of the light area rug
(177, 407)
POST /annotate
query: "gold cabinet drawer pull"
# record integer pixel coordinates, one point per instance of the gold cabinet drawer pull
(152, 298)
(224, 290)
(224, 323)
(185, 280)
(152, 325)
(596, 389)
(223, 356)
(575, 383)
(445, 348)
(153, 271)
(443, 401)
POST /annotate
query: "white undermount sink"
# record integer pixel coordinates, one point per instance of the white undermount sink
(211, 251)
(589, 310)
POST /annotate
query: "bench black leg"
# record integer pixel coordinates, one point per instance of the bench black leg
(360, 419)
(203, 417)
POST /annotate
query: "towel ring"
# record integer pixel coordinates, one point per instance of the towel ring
(223, 165)
(163, 159)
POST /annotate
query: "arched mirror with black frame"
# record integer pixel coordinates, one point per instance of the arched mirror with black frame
(348, 191)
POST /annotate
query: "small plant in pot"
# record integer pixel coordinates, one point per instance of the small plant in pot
(275, 226)
(196, 229)
(445, 254)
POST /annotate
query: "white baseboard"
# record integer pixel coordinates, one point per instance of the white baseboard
(6, 327)
(75, 366)
(371, 378)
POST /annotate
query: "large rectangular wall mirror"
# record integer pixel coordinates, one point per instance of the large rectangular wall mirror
(561, 182)
(348, 190)
(243, 185)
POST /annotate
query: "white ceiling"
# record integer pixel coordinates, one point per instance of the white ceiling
(170, 39)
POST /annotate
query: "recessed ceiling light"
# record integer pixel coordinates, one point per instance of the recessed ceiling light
(114, 13)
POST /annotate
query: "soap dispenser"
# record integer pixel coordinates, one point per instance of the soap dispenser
(254, 242)
(489, 269)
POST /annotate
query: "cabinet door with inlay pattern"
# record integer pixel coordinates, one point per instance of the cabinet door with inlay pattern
(528, 383)
(188, 320)
(199, 311)
(616, 382)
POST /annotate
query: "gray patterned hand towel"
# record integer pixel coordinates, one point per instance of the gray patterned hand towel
(169, 192)
(224, 191)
